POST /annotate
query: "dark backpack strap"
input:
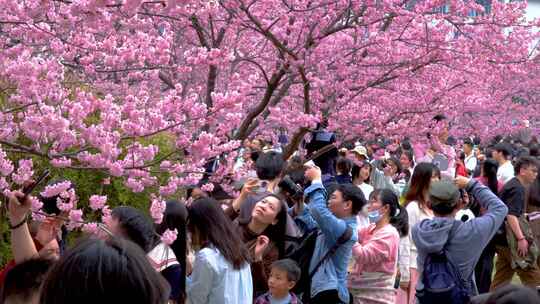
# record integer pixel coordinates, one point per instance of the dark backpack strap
(455, 225)
(346, 236)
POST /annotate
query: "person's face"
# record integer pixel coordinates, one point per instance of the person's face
(496, 155)
(405, 161)
(530, 173)
(256, 144)
(50, 251)
(338, 206)
(375, 203)
(434, 177)
(467, 149)
(278, 283)
(443, 135)
(266, 210)
(393, 167)
(365, 172)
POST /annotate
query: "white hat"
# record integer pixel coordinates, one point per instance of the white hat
(360, 150)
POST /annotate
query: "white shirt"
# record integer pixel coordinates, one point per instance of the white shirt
(161, 257)
(505, 172)
(215, 281)
(470, 162)
(366, 189)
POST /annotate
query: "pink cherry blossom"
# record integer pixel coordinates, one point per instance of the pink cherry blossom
(56, 189)
(97, 201)
(169, 236)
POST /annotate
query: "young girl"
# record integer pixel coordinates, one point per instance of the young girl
(376, 253)
(221, 272)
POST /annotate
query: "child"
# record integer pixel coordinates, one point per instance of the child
(283, 276)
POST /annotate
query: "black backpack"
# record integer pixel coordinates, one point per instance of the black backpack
(302, 253)
(442, 280)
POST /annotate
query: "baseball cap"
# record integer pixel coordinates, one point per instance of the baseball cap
(443, 192)
(360, 150)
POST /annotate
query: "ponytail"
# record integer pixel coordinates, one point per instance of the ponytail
(400, 221)
(398, 215)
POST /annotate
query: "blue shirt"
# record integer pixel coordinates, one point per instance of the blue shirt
(332, 274)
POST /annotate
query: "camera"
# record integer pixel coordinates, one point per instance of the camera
(288, 186)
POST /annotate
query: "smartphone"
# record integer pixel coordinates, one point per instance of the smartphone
(29, 188)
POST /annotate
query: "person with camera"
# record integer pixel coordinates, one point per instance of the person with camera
(336, 219)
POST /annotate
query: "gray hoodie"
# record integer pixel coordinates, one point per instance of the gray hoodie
(469, 239)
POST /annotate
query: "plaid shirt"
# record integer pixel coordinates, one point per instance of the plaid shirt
(265, 299)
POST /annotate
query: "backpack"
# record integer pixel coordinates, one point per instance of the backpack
(442, 280)
(302, 254)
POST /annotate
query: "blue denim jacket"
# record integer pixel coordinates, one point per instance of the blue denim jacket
(332, 275)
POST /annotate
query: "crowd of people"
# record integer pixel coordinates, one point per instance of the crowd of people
(363, 222)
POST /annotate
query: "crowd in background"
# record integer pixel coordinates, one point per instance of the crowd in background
(362, 222)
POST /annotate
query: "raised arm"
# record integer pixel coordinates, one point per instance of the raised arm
(492, 219)
(330, 225)
(22, 245)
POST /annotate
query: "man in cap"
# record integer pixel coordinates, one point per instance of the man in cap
(463, 242)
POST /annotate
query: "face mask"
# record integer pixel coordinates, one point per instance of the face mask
(374, 216)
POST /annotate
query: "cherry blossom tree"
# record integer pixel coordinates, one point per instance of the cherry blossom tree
(90, 84)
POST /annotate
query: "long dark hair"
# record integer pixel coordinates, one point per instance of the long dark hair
(208, 220)
(490, 167)
(420, 181)
(276, 233)
(135, 226)
(175, 217)
(398, 215)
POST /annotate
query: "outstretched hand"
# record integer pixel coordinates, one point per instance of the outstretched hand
(19, 206)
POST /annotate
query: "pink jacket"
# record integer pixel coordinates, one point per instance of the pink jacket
(376, 250)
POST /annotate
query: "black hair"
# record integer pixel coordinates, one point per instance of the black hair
(398, 215)
(439, 117)
(410, 156)
(269, 165)
(135, 226)
(354, 194)
(355, 172)
(276, 233)
(104, 271)
(207, 220)
(461, 156)
(23, 281)
(534, 150)
(503, 148)
(490, 167)
(468, 141)
(396, 162)
(289, 266)
(419, 185)
(524, 162)
(175, 217)
(344, 165)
